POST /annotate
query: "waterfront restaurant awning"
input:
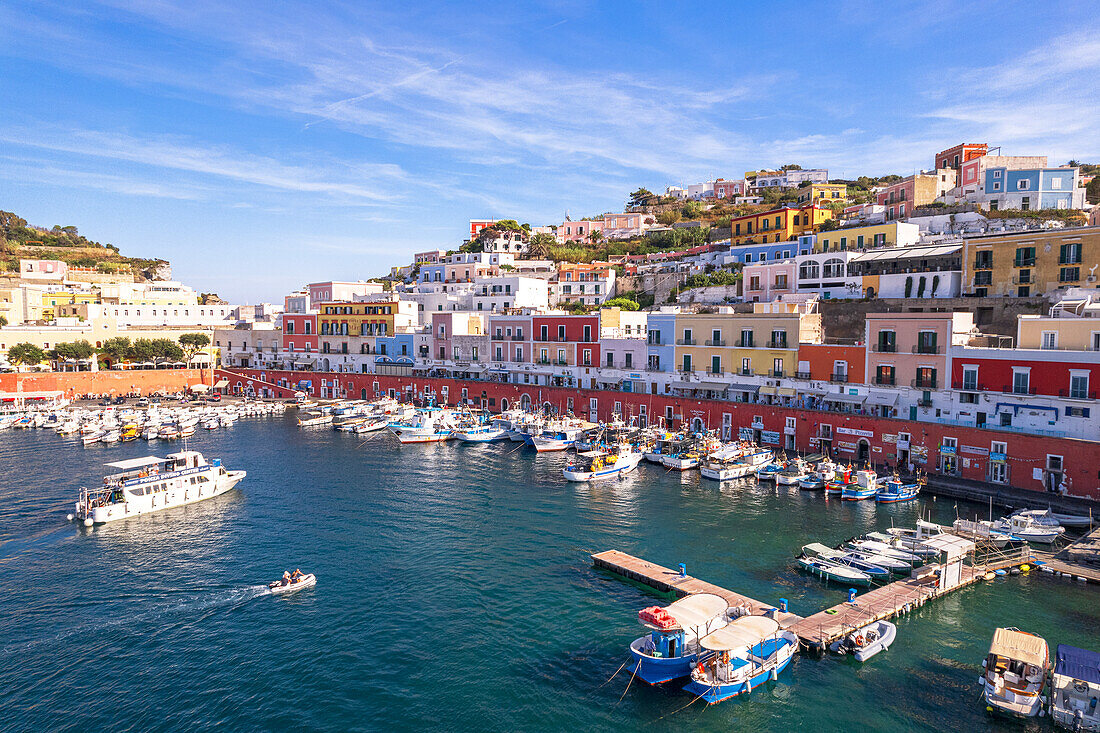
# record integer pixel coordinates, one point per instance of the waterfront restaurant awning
(709, 386)
(851, 399)
(754, 388)
(305, 362)
(221, 384)
(786, 392)
(886, 400)
(199, 387)
(767, 390)
(132, 463)
(608, 380)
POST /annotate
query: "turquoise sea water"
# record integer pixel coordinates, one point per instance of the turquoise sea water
(455, 592)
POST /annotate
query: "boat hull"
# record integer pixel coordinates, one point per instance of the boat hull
(719, 692)
(658, 670)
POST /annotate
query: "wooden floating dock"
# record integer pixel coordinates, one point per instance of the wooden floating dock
(884, 602)
(820, 629)
(670, 581)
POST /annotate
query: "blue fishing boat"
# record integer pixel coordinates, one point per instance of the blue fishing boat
(671, 647)
(743, 655)
(894, 491)
(865, 486)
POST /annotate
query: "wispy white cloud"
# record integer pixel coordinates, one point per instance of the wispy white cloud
(220, 161)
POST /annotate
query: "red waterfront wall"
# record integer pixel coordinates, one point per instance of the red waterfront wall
(105, 382)
(1025, 453)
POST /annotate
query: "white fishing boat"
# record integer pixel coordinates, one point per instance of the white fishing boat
(735, 463)
(1014, 673)
(794, 472)
(822, 474)
(594, 465)
(885, 549)
(110, 436)
(153, 484)
(1049, 518)
(481, 434)
(370, 425)
(431, 425)
(1027, 528)
(92, 438)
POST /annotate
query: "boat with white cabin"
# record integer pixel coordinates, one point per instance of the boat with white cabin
(152, 484)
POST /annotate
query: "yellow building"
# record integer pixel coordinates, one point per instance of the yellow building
(1032, 263)
(778, 225)
(1065, 334)
(745, 344)
(50, 301)
(356, 319)
(823, 193)
(889, 234)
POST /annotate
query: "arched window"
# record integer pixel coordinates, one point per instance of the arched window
(834, 267)
(808, 271)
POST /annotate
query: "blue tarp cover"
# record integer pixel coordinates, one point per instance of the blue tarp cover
(1080, 664)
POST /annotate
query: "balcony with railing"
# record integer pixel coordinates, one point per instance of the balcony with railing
(715, 342)
(802, 375)
(836, 377)
(685, 342)
(564, 362)
(884, 348)
(882, 381)
(745, 344)
(983, 263)
(922, 402)
(927, 349)
(1079, 394)
(1018, 389)
(777, 344)
(924, 383)
(1023, 262)
(744, 372)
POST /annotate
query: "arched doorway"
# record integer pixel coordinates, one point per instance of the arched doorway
(363, 393)
(697, 425)
(525, 402)
(870, 292)
(325, 365)
(503, 404)
(863, 454)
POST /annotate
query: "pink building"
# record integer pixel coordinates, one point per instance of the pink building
(578, 231)
(625, 226)
(972, 172)
(42, 269)
(910, 349)
(510, 338)
(763, 282)
(724, 189)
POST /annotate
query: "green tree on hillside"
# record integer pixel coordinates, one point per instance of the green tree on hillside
(621, 303)
(539, 246)
(1092, 191)
(116, 349)
(640, 197)
(3, 321)
(25, 353)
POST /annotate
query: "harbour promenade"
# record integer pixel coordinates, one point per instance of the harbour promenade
(773, 426)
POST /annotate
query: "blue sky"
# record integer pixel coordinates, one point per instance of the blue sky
(259, 146)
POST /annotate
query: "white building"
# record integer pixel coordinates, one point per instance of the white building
(509, 291)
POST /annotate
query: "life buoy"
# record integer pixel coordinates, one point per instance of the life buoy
(699, 669)
(859, 641)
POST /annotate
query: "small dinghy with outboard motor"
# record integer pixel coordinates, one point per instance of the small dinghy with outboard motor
(866, 642)
(291, 583)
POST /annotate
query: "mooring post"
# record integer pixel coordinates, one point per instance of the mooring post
(683, 570)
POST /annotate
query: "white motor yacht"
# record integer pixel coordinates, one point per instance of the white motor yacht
(152, 484)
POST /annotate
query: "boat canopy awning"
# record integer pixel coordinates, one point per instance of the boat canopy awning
(131, 463)
(881, 398)
(1080, 664)
(953, 545)
(852, 399)
(1020, 646)
(742, 632)
(697, 610)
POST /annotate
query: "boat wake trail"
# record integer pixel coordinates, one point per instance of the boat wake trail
(186, 608)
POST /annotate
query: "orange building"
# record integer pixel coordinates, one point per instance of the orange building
(832, 362)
